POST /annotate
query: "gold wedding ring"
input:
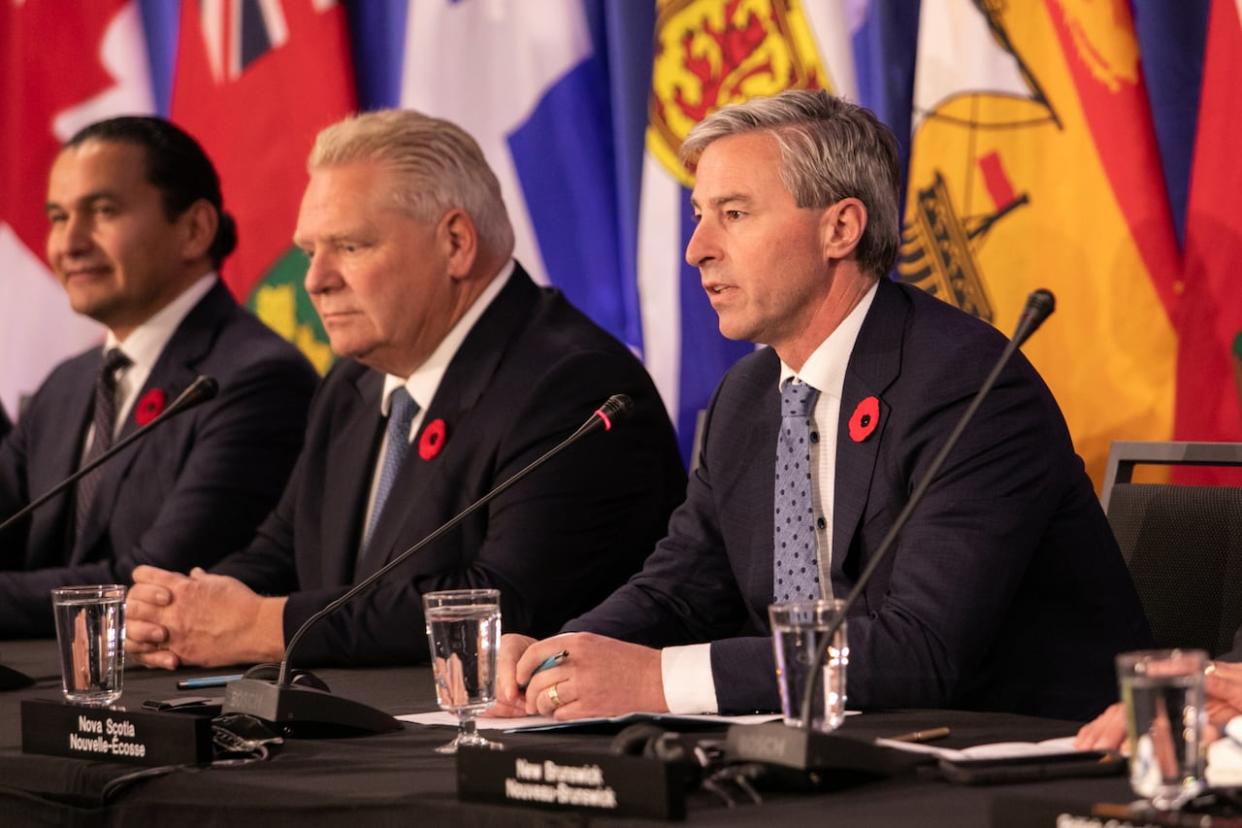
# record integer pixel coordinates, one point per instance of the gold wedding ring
(554, 697)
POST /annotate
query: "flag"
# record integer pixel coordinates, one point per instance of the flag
(1210, 317)
(66, 64)
(255, 81)
(1034, 164)
(710, 53)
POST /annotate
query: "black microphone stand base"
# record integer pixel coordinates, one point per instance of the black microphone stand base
(776, 743)
(11, 679)
(305, 712)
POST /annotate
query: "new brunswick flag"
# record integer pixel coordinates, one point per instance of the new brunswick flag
(1034, 164)
(254, 83)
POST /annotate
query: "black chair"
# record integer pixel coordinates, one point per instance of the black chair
(1183, 544)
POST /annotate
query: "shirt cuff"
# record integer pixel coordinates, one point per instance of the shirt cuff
(687, 676)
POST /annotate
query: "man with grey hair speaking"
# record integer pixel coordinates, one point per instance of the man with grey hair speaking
(457, 371)
(1006, 591)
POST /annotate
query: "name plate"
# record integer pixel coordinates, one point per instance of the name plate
(103, 734)
(601, 783)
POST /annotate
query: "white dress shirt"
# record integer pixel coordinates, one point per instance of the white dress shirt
(143, 346)
(422, 384)
(687, 671)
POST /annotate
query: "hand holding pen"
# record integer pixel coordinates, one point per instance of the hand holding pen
(547, 664)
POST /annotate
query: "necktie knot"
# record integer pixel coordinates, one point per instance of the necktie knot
(401, 410)
(114, 361)
(797, 399)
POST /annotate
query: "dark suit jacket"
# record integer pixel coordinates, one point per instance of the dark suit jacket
(530, 372)
(187, 493)
(1006, 591)
(5, 425)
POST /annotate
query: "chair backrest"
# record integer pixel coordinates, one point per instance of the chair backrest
(1183, 544)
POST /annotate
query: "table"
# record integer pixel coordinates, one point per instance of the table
(397, 779)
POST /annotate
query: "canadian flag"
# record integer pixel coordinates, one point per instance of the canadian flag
(64, 64)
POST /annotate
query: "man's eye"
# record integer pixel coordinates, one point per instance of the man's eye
(105, 210)
(733, 215)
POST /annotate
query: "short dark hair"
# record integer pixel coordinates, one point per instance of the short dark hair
(176, 166)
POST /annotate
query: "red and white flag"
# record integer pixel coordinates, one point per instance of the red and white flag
(63, 65)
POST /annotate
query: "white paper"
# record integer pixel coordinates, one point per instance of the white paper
(534, 723)
(997, 750)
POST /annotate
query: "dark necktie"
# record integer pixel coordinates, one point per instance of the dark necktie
(104, 419)
(795, 574)
(401, 411)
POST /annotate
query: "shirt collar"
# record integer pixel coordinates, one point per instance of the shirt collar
(145, 343)
(824, 369)
(422, 384)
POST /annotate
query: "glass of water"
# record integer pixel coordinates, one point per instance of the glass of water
(798, 631)
(1162, 691)
(463, 629)
(90, 632)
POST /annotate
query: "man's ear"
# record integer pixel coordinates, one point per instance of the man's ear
(459, 242)
(197, 226)
(841, 228)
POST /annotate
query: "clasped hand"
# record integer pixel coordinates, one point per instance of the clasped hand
(207, 620)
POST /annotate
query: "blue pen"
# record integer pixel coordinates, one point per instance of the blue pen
(548, 663)
(206, 681)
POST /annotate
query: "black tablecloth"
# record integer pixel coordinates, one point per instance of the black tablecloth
(397, 779)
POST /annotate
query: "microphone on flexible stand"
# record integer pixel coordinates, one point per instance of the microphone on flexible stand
(301, 703)
(801, 747)
(200, 391)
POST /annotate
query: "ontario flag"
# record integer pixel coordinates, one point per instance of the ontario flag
(63, 65)
(1034, 164)
(255, 81)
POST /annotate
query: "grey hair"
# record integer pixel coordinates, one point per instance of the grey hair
(439, 167)
(830, 149)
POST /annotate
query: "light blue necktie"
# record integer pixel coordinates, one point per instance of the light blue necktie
(401, 411)
(795, 573)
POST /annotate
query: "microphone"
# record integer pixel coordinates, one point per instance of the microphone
(803, 748)
(299, 706)
(198, 392)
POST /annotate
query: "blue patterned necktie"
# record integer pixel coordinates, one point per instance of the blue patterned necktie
(401, 411)
(104, 418)
(795, 575)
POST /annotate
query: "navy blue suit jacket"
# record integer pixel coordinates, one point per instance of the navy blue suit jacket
(1006, 591)
(530, 372)
(184, 495)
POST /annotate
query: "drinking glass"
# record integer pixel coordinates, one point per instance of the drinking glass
(1162, 691)
(463, 629)
(90, 633)
(798, 630)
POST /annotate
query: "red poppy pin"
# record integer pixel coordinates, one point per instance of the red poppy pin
(864, 419)
(149, 407)
(432, 440)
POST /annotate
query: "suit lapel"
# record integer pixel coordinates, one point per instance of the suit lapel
(351, 461)
(172, 373)
(874, 365)
(467, 377)
(760, 444)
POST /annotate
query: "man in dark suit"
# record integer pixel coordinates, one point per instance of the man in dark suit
(458, 372)
(1006, 591)
(137, 233)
